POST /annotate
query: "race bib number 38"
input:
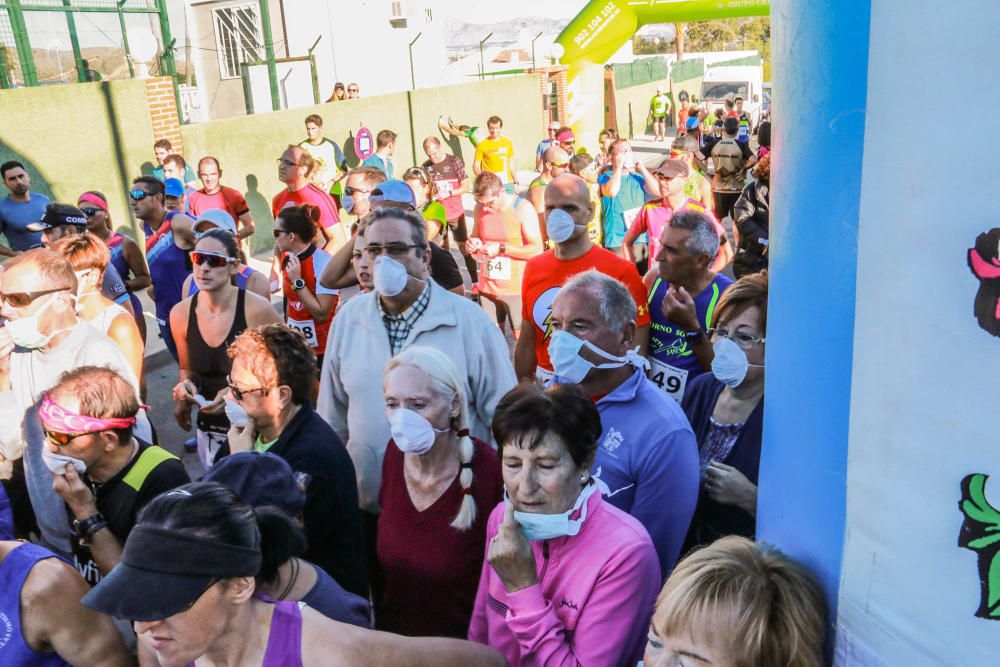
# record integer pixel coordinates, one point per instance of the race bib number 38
(307, 328)
(669, 379)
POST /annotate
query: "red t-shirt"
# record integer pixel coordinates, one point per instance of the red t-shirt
(430, 571)
(545, 275)
(227, 199)
(310, 194)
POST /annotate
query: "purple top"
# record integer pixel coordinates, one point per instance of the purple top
(284, 644)
(13, 572)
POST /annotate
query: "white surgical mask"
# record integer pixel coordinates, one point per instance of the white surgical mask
(549, 526)
(57, 462)
(411, 431)
(730, 364)
(569, 366)
(560, 225)
(236, 415)
(24, 330)
(389, 276)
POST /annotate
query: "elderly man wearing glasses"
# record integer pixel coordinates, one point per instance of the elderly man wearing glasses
(295, 167)
(41, 339)
(405, 308)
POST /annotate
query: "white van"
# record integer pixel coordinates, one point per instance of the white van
(724, 82)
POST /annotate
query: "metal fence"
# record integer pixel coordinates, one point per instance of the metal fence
(21, 19)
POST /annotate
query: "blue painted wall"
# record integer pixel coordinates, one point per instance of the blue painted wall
(821, 68)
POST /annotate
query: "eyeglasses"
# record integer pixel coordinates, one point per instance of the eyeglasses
(353, 191)
(278, 232)
(391, 249)
(238, 393)
(287, 163)
(90, 212)
(23, 299)
(553, 130)
(137, 195)
(352, 90)
(743, 339)
(63, 439)
(214, 260)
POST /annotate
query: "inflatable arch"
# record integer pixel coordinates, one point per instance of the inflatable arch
(600, 29)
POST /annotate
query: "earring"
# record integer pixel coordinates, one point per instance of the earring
(583, 478)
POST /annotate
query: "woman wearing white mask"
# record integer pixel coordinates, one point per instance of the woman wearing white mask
(438, 487)
(726, 411)
(567, 578)
(89, 257)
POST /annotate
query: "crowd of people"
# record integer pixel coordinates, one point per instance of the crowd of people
(552, 462)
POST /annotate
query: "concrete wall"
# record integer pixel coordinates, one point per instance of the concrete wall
(632, 105)
(248, 147)
(84, 136)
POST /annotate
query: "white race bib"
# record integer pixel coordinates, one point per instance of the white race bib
(668, 378)
(498, 268)
(307, 328)
(630, 216)
(543, 376)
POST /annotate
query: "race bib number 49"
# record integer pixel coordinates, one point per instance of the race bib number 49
(307, 328)
(670, 380)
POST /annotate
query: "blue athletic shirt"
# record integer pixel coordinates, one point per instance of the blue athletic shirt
(16, 215)
(674, 363)
(168, 269)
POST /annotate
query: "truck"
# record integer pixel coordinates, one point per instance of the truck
(722, 82)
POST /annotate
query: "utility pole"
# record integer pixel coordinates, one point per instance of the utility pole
(482, 66)
(272, 67)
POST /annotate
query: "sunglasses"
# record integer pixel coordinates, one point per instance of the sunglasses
(238, 393)
(90, 212)
(214, 260)
(137, 195)
(561, 165)
(287, 163)
(23, 299)
(63, 439)
(278, 232)
(353, 191)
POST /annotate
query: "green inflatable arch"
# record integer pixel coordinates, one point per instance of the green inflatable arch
(600, 29)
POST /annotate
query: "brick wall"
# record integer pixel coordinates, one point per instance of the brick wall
(163, 111)
(558, 76)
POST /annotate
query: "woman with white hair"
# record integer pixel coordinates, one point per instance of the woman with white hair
(438, 487)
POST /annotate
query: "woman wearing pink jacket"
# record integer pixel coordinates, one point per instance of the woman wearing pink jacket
(568, 579)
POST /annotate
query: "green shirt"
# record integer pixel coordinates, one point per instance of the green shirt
(260, 446)
(660, 104)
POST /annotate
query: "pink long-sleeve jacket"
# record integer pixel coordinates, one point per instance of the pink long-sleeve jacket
(591, 605)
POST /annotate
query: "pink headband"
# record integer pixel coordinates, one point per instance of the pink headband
(59, 419)
(95, 200)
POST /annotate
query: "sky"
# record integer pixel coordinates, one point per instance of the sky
(492, 11)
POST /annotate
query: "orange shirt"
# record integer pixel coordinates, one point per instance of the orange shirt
(500, 275)
(545, 275)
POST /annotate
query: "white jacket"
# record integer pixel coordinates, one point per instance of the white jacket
(351, 399)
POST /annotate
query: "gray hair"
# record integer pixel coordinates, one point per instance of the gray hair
(418, 226)
(614, 302)
(703, 240)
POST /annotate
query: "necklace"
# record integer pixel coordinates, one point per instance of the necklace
(291, 580)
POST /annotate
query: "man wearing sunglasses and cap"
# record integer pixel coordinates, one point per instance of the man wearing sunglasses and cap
(61, 220)
(41, 339)
(103, 473)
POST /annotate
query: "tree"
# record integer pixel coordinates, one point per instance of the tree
(732, 35)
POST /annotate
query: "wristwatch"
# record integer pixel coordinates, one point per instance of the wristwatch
(93, 523)
(298, 284)
(694, 337)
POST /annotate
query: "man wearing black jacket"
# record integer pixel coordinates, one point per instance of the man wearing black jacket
(272, 377)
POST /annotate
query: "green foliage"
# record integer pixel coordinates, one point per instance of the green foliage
(731, 35)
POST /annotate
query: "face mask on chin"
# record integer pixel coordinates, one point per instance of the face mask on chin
(550, 526)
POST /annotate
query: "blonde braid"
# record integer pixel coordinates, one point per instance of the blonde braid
(467, 512)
